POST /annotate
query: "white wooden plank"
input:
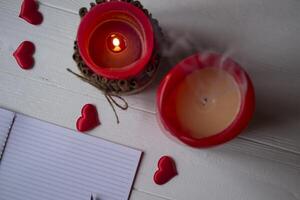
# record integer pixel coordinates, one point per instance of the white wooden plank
(276, 122)
(235, 175)
(138, 195)
(55, 46)
(263, 31)
(276, 82)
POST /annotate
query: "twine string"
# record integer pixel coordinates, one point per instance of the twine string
(123, 106)
(108, 95)
(108, 98)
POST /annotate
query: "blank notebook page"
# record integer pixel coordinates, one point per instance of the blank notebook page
(42, 161)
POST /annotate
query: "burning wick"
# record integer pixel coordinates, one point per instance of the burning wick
(116, 42)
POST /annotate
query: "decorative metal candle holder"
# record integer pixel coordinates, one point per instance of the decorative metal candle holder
(128, 85)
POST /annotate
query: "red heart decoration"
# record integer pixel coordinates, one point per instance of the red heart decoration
(24, 55)
(166, 170)
(88, 119)
(29, 12)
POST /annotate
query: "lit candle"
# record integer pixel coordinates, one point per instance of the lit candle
(116, 40)
(116, 43)
(206, 100)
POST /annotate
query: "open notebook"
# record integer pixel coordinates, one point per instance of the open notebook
(42, 161)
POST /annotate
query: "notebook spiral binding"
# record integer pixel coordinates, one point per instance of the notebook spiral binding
(6, 139)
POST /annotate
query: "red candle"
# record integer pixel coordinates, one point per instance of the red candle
(205, 100)
(116, 40)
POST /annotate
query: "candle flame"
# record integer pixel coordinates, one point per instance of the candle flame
(116, 43)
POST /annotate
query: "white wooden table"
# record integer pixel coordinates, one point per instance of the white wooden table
(262, 35)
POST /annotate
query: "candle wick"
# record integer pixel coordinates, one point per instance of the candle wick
(204, 101)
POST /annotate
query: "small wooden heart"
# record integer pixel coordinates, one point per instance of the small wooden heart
(24, 55)
(166, 170)
(89, 118)
(30, 13)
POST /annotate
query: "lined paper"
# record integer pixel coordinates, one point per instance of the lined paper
(6, 120)
(44, 161)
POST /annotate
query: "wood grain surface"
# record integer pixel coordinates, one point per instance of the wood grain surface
(262, 35)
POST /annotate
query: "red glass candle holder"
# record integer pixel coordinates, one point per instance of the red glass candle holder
(118, 41)
(166, 99)
(111, 18)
